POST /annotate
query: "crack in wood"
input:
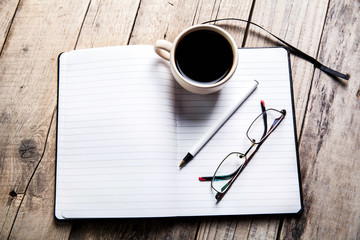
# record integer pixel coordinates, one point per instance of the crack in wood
(248, 23)
(312, 82)
(9, 27)
(134, 23)
(197, 230)
(196, 10)
(82, 24)
(217, 11)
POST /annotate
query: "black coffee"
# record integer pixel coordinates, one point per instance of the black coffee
(204, 56)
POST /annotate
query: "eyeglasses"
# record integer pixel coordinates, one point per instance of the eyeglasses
(234, 163)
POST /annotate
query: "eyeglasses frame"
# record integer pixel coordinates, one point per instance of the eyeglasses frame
(220, 195)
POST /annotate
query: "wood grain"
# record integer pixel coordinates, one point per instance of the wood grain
(234, 9)
(159, 19)
(219, 228)
(7, 12)
(330, 141)
(28, 89)
(108, 23)
(164, 228)
(35, 219)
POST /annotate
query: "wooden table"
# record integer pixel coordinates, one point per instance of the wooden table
(32, 35)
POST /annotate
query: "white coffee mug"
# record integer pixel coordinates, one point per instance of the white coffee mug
(202, 58)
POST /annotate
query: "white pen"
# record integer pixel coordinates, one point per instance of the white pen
(211, 132)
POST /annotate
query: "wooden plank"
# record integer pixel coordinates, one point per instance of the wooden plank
(28, 70)
(261, 228)
(219, 228)
(166, 19)
(329, 147)
(108, 23)
(166, 228)
(234, 9)
(113, 229)
(239, 227)
(35, 219)
(7, 12)
(299, 23)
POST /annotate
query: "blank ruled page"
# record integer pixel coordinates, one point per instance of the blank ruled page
(270, 183)
(116, 134)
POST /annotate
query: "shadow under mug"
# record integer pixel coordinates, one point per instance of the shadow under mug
(202, 58)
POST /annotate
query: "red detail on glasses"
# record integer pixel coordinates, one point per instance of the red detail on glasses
(202, 179)
(262, 103)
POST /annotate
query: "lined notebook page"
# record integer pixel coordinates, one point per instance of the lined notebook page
(270, 183)
(116, 134)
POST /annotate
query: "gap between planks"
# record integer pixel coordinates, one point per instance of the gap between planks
(10, 25)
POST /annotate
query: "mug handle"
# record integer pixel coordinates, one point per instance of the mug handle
(163, 48)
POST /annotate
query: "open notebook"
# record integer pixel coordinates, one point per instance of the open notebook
(124, 125)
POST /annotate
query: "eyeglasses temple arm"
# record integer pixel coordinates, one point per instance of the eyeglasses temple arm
(223, 177)
(203, 179)
(263, 110)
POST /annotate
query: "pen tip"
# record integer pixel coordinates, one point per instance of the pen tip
(186, 159)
